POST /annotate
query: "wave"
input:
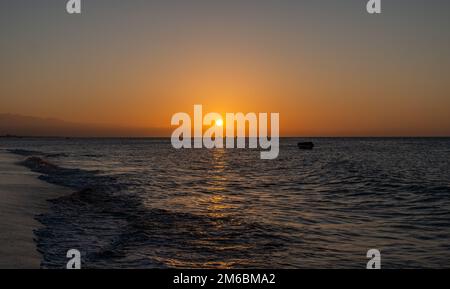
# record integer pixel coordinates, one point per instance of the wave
(73, 178)
(23, 152)
(113, 228)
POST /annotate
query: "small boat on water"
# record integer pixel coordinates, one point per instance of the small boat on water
(305, 145)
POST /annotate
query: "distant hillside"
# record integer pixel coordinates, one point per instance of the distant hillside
(11, 124)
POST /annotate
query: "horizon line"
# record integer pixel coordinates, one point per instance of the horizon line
(10, 136)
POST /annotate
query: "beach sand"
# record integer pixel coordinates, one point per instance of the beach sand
(22, 197)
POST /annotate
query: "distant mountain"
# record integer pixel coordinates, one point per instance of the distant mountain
(18, 125)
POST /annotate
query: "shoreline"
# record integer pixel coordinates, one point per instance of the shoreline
(22, 197)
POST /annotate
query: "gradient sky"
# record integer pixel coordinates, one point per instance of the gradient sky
(326, 66)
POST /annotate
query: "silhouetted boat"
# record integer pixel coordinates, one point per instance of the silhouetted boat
(305, 145)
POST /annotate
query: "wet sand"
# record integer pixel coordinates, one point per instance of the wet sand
(22, 197)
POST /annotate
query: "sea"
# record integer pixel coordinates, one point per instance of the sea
(139, 203)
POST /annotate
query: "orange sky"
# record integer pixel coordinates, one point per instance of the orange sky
(339, 73)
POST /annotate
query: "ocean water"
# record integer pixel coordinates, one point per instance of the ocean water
(139, 203)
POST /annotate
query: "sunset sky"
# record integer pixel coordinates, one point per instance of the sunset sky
(328, 67)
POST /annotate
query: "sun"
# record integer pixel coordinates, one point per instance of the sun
(219, 122)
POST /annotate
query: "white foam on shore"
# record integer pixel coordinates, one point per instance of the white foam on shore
(22, 197)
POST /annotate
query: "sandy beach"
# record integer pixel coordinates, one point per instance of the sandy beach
(22, 197)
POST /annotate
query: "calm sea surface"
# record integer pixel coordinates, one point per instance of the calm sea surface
(141, 203)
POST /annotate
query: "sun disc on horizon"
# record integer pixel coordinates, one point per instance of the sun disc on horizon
(219, 122)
